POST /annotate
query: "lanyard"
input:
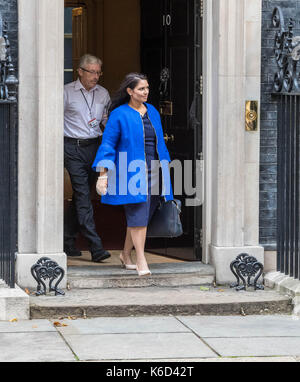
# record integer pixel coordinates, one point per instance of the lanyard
(90, 107)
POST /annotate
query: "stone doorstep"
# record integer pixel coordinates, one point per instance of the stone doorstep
(163, 274)
(286, 285)
(112, 291)
(138, 282)
(158, 301)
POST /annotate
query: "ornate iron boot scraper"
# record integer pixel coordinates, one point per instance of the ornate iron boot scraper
(44, 269)
(246, 266)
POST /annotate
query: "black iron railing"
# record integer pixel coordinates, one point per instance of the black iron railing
(287, 93)
(8, 161)
(288, 177)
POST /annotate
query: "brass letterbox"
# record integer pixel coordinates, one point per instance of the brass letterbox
(166, 108)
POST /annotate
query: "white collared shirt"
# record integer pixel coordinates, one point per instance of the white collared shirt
(79, 109)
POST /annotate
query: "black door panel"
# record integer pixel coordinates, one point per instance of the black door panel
(168, 27)
(181, 15)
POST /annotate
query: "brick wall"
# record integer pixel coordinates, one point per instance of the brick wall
(268, 131)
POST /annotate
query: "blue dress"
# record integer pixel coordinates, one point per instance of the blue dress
(139, 214)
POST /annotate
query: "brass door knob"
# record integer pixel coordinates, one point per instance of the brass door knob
(251, 116)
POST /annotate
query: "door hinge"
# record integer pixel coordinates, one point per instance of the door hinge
(199, 85)
(199, 238)
(201, 8)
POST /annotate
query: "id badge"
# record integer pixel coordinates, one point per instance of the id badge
(93, 123)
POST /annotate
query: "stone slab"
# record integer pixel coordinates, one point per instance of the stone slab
(220, 359)
(249, 326)
(34, 347)
(156, 268)
(259, 346)
(14, 303)
(114, 325)
(26, 326)
(158, 301)
(287, 285)
(163, 274)
(133, 281)
(250, 359)
(136, 346)
(146, 339)
(152, 295)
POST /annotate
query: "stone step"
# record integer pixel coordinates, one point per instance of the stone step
(188, 300)
(163, 275)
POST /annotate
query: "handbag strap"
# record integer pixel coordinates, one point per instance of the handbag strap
(177, 204)
(175, 201)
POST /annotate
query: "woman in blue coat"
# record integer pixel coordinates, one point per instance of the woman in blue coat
(133, 162)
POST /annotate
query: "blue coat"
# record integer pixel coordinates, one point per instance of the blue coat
(122, 152)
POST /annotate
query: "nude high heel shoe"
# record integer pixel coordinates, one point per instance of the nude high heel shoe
(143, 273)
(129, 267)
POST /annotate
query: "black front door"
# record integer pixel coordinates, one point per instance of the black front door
(171, 58)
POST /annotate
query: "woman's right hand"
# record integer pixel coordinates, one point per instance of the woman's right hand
(101, 185)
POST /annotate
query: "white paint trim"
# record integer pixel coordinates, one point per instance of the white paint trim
(207, 126)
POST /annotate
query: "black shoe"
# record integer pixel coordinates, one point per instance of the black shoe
(72, 252)
(97, 257)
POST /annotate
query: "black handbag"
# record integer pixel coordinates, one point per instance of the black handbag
(165, 221)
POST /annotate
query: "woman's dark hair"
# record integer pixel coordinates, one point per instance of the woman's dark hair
(121, 96)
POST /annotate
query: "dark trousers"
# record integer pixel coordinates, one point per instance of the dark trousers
(79, 216)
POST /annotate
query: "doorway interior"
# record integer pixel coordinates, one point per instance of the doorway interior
(161, 38)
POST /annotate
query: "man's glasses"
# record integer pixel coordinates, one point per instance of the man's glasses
(92, 72)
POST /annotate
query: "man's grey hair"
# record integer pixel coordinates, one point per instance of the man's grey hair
(89, 59)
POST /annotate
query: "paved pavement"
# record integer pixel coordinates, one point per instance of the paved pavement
(259, 338)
